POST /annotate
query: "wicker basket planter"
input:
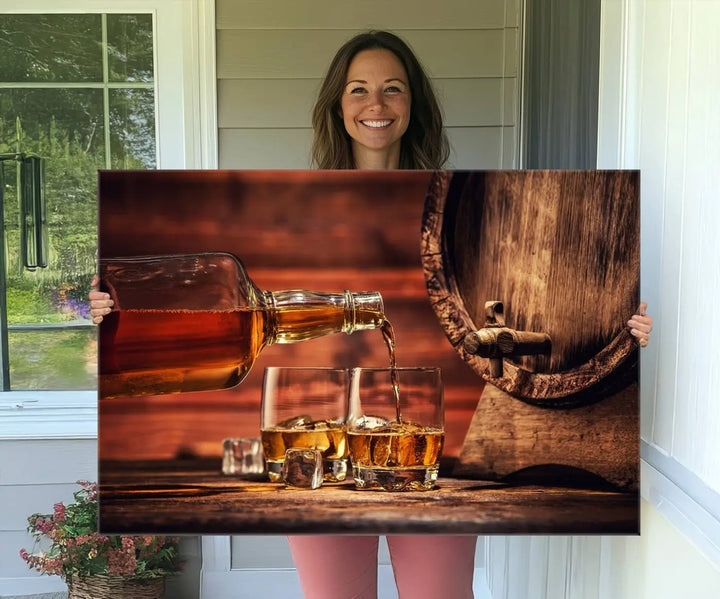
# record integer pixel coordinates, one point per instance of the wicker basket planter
(115, 587)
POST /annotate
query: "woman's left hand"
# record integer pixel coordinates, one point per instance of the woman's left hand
(641, 325)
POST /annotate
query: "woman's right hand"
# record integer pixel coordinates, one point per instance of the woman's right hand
(100, 302)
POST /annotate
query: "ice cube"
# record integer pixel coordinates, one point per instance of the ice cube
(381, 448)
(411, 449)
(368, 422)
(407, 428)
(303, 468)
(243, 456)
(398, 428)
(385, 429)
(325, 425)
(296, 422)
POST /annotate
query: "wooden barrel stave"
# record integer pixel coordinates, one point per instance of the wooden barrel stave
(569, 240)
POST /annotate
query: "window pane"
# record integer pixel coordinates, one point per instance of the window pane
(52, 119)
(53, 359)
(52, 343)
(64, 126)
(50, 48)
(130, 48)
(132, 128)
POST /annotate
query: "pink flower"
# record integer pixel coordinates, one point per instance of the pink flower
(42, 563)
(99, 539)
(83, 554)
(57, 535)
(53, 565)
(144, 542)
(45, 526)
(121, 562)
(128, 543)
(59, 511)
(91, 488)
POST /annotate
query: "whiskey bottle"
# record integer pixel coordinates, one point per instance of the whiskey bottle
(198, 322)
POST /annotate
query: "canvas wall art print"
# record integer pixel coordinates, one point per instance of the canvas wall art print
(516, 284)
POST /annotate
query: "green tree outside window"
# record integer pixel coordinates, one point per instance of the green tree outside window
(78, 90)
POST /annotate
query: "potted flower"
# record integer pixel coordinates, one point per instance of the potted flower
(97, 566)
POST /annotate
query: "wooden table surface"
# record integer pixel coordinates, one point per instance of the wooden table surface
(193, 497)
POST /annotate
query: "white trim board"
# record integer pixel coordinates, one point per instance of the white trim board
(48, 415)
(30, 586)
(704, 496)
(684, 511)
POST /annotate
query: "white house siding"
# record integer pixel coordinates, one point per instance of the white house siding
(34, 475)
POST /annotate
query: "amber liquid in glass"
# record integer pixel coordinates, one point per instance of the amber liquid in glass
(397, 454)
(396, 445)
(330, 440)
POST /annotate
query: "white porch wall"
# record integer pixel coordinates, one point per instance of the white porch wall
(34, 475)
(659, 85)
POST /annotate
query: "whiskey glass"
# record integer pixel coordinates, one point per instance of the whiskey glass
(305, 408)
(395, 432)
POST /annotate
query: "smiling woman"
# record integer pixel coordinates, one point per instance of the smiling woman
(377, 109)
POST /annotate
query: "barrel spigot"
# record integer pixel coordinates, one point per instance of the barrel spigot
(495, 341)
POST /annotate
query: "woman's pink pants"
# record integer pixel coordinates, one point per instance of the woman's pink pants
(345, 567)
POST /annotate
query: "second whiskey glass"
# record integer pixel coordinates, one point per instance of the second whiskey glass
(305, 408)
(395, 446)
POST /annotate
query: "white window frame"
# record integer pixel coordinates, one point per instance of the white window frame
(186, 130)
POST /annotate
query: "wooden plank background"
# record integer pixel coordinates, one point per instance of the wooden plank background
(324, 231)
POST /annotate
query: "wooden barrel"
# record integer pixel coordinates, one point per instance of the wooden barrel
(560, 250)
